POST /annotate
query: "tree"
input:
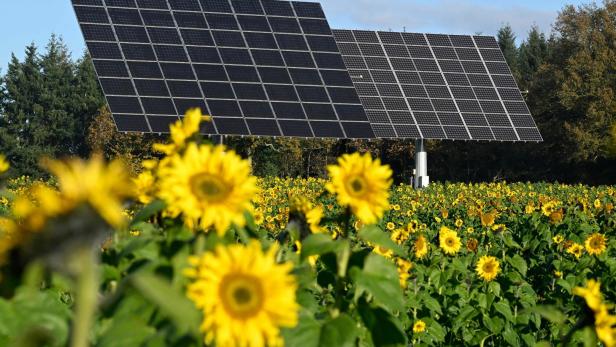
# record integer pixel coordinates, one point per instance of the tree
(506, 41)
(532, 54)
(587, 78)
(47, 102)
(132, 148)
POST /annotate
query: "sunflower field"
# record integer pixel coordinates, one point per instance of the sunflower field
(195, 251)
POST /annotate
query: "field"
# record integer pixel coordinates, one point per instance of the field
(196, 251)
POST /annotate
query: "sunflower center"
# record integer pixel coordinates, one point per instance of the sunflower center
(449, 242)
(595, 243)
(209, 187)
(242, 296)
(488, 268)
(356, 186)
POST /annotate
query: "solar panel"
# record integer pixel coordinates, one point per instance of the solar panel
(265, 68)
(276, 68)
(436, 86)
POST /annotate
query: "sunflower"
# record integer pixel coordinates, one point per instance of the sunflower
(529, 209)
(258, 217)
(181, 131)
(421, 247)
(361, 183)
(576, 249)
(102, 186)
(591, 294)
(245, 296)
(487, 219)
(209, 185)
(556, 216)
(558, 239)
(449, 241)
(312, 214)
(404, 266)
(605, 326)
(143, 187)
(399, 236)
(4, 164)
(595, 244)
(472, 244)
(419, 326)
(488, 268)
(459, 223)
(597, 204)
(390, 226)
(412, 226)
(383, 251)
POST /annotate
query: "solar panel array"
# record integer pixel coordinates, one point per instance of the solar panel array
(267, 67)
(275, 68)
(436, 86)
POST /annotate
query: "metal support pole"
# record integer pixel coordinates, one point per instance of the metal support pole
(218, 139)
(421, 179)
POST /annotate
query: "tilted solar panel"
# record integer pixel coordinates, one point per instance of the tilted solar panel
(436, 86)
(267, 68)
(275, 68)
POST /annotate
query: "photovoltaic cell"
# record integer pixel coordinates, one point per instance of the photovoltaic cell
(276, 68)
(452, 86)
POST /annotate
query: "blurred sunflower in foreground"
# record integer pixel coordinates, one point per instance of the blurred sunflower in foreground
(4, 164)
(604, 322)
(86, 189)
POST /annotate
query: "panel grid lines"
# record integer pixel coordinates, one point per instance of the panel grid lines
(501, 101)
(160, 67)
(180, 56)
(275, 68)
(132, 82)
(192, 66)
(457, 107)
(446, 80)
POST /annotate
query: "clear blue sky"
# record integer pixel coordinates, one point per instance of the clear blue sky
(26, 21)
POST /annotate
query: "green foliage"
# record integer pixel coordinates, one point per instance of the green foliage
(47, 102)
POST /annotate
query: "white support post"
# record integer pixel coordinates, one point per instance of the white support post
(421, 179)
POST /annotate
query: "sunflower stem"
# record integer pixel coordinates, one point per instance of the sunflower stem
(87, 289)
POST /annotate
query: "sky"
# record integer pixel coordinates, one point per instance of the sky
(25, 21)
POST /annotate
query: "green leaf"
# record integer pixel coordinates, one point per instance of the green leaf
(306, 333)
(503, 308)
(376, 236)
(466, 314)
(494, 324)
(494, 288)
(318, 244)
(148, 211)
(126, 331)
(339, 332)
(550, 313)
(379, 278)
(431, 303)
(344, 253)
(519, 264)
(511, 336)
(565, 284)
(385, 329)
(173, 303)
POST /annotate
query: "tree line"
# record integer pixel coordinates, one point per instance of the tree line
(51, 105)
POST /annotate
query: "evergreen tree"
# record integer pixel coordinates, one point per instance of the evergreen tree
(47, 103)
(24, 88)
(506, 41)
(533, 53)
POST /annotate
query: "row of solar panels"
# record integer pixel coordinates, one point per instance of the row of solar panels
(275, 68)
